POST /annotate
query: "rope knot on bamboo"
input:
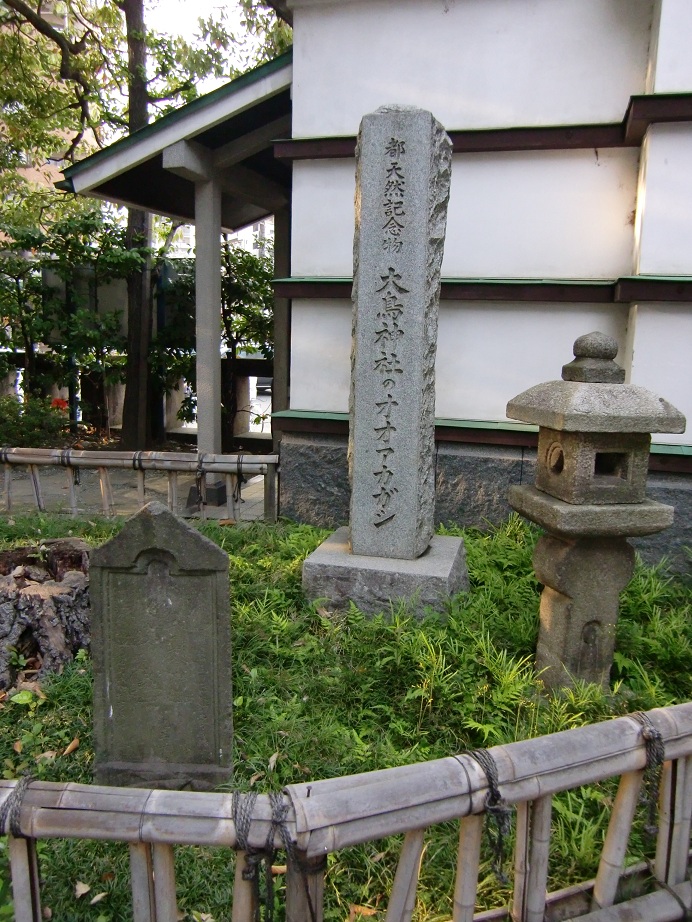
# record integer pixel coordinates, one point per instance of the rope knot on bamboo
(497, 809)
(655, 757)
(11, 808)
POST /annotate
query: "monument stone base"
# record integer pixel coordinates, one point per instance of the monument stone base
(336, 575)
(165, 776)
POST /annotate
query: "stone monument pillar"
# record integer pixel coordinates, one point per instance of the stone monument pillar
(403, 176)
(593, 453)
(162, 656)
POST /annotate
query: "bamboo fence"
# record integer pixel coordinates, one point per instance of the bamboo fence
(231, 467)
(324, 816)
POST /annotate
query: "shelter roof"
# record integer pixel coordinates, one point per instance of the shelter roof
(227, 133)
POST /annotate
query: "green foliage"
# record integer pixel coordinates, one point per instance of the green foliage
(32, 424)
(320, 695)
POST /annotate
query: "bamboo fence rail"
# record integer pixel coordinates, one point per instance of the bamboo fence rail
(324, 816)
(139, 462)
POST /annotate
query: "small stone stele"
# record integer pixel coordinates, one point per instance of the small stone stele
(161, 648)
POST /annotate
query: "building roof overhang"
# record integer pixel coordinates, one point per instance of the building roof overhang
(226, 135)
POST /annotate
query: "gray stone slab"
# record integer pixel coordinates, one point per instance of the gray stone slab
(561, 518)
(336, 575)
(161, 647)
(403, 175)
(313, 484)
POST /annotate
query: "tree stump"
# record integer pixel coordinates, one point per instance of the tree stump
(44, 606)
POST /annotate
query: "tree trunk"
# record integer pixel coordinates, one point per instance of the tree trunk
(136, 432)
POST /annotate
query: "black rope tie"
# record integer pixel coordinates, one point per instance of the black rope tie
(655, 757)
(239, 481)
(138, 461)
(497, 809)
(3, 455)
(200, 481)
(243, 806)
(12, 807)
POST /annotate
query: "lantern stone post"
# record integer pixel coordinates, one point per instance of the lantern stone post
(593, 451)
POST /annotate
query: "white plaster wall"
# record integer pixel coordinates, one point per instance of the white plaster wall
(473, 63)
(661, 358)
(320, 355)
(560, 214)
(664, 219)
(486, 353)
(673, 64)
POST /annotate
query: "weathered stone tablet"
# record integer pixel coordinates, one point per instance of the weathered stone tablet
(403, 175)
(161, 648)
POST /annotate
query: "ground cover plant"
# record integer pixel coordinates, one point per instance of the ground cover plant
(318, 695)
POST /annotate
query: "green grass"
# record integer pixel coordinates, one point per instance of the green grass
(318, 695)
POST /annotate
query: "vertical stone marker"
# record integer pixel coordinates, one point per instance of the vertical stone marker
(162, 656)
(404, 163)
(390, 553)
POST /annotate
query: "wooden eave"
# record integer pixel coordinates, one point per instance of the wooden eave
(236, 118)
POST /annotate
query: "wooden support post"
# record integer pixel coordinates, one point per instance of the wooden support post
(270, 494)
(69, 473)
(141, 490)
(468, 861)
(244, 900)
(230, 503)
(305, 890)
(36, 485)
(106, 492)
(673, 821)
(403, 896)
(8, 488)
(25, 880)
(173, 491)
(531, 860)
(615, 847)
(164, 883)
(142, 882)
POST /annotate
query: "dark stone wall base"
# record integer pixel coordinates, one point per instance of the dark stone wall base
(472, 483)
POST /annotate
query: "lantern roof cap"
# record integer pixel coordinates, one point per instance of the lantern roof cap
(592, 397)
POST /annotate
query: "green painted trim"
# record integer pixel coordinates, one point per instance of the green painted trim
(339, 280)
(209, 99)
(656, 448)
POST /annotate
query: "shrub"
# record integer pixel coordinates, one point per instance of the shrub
(36, 423)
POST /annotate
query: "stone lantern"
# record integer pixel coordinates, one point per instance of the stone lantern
(593, 452)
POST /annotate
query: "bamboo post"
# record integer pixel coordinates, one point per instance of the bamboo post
(672, 823)
(141, 491)
(36, 485)
(270, 494)
(615, 846)
(25, 880)
(403, 896)
(106, 493)
(173, 491)
(164, 883)
(69, 473)
(681, 842)
(468, 861)
(305, 889)
(531, 859)
(244, 897)
(8, 488)
(142, 882)
(230, 510)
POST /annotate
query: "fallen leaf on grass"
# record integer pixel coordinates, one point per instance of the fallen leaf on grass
(256, 777)
(17, 746)
(109, 875)
(356, 911)
(98, 898)
(279, 869)
(32, 687)
(70, 748)
(47, 756)
(47, 912)
(81, 888)
(226, 522)
(271, 764)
